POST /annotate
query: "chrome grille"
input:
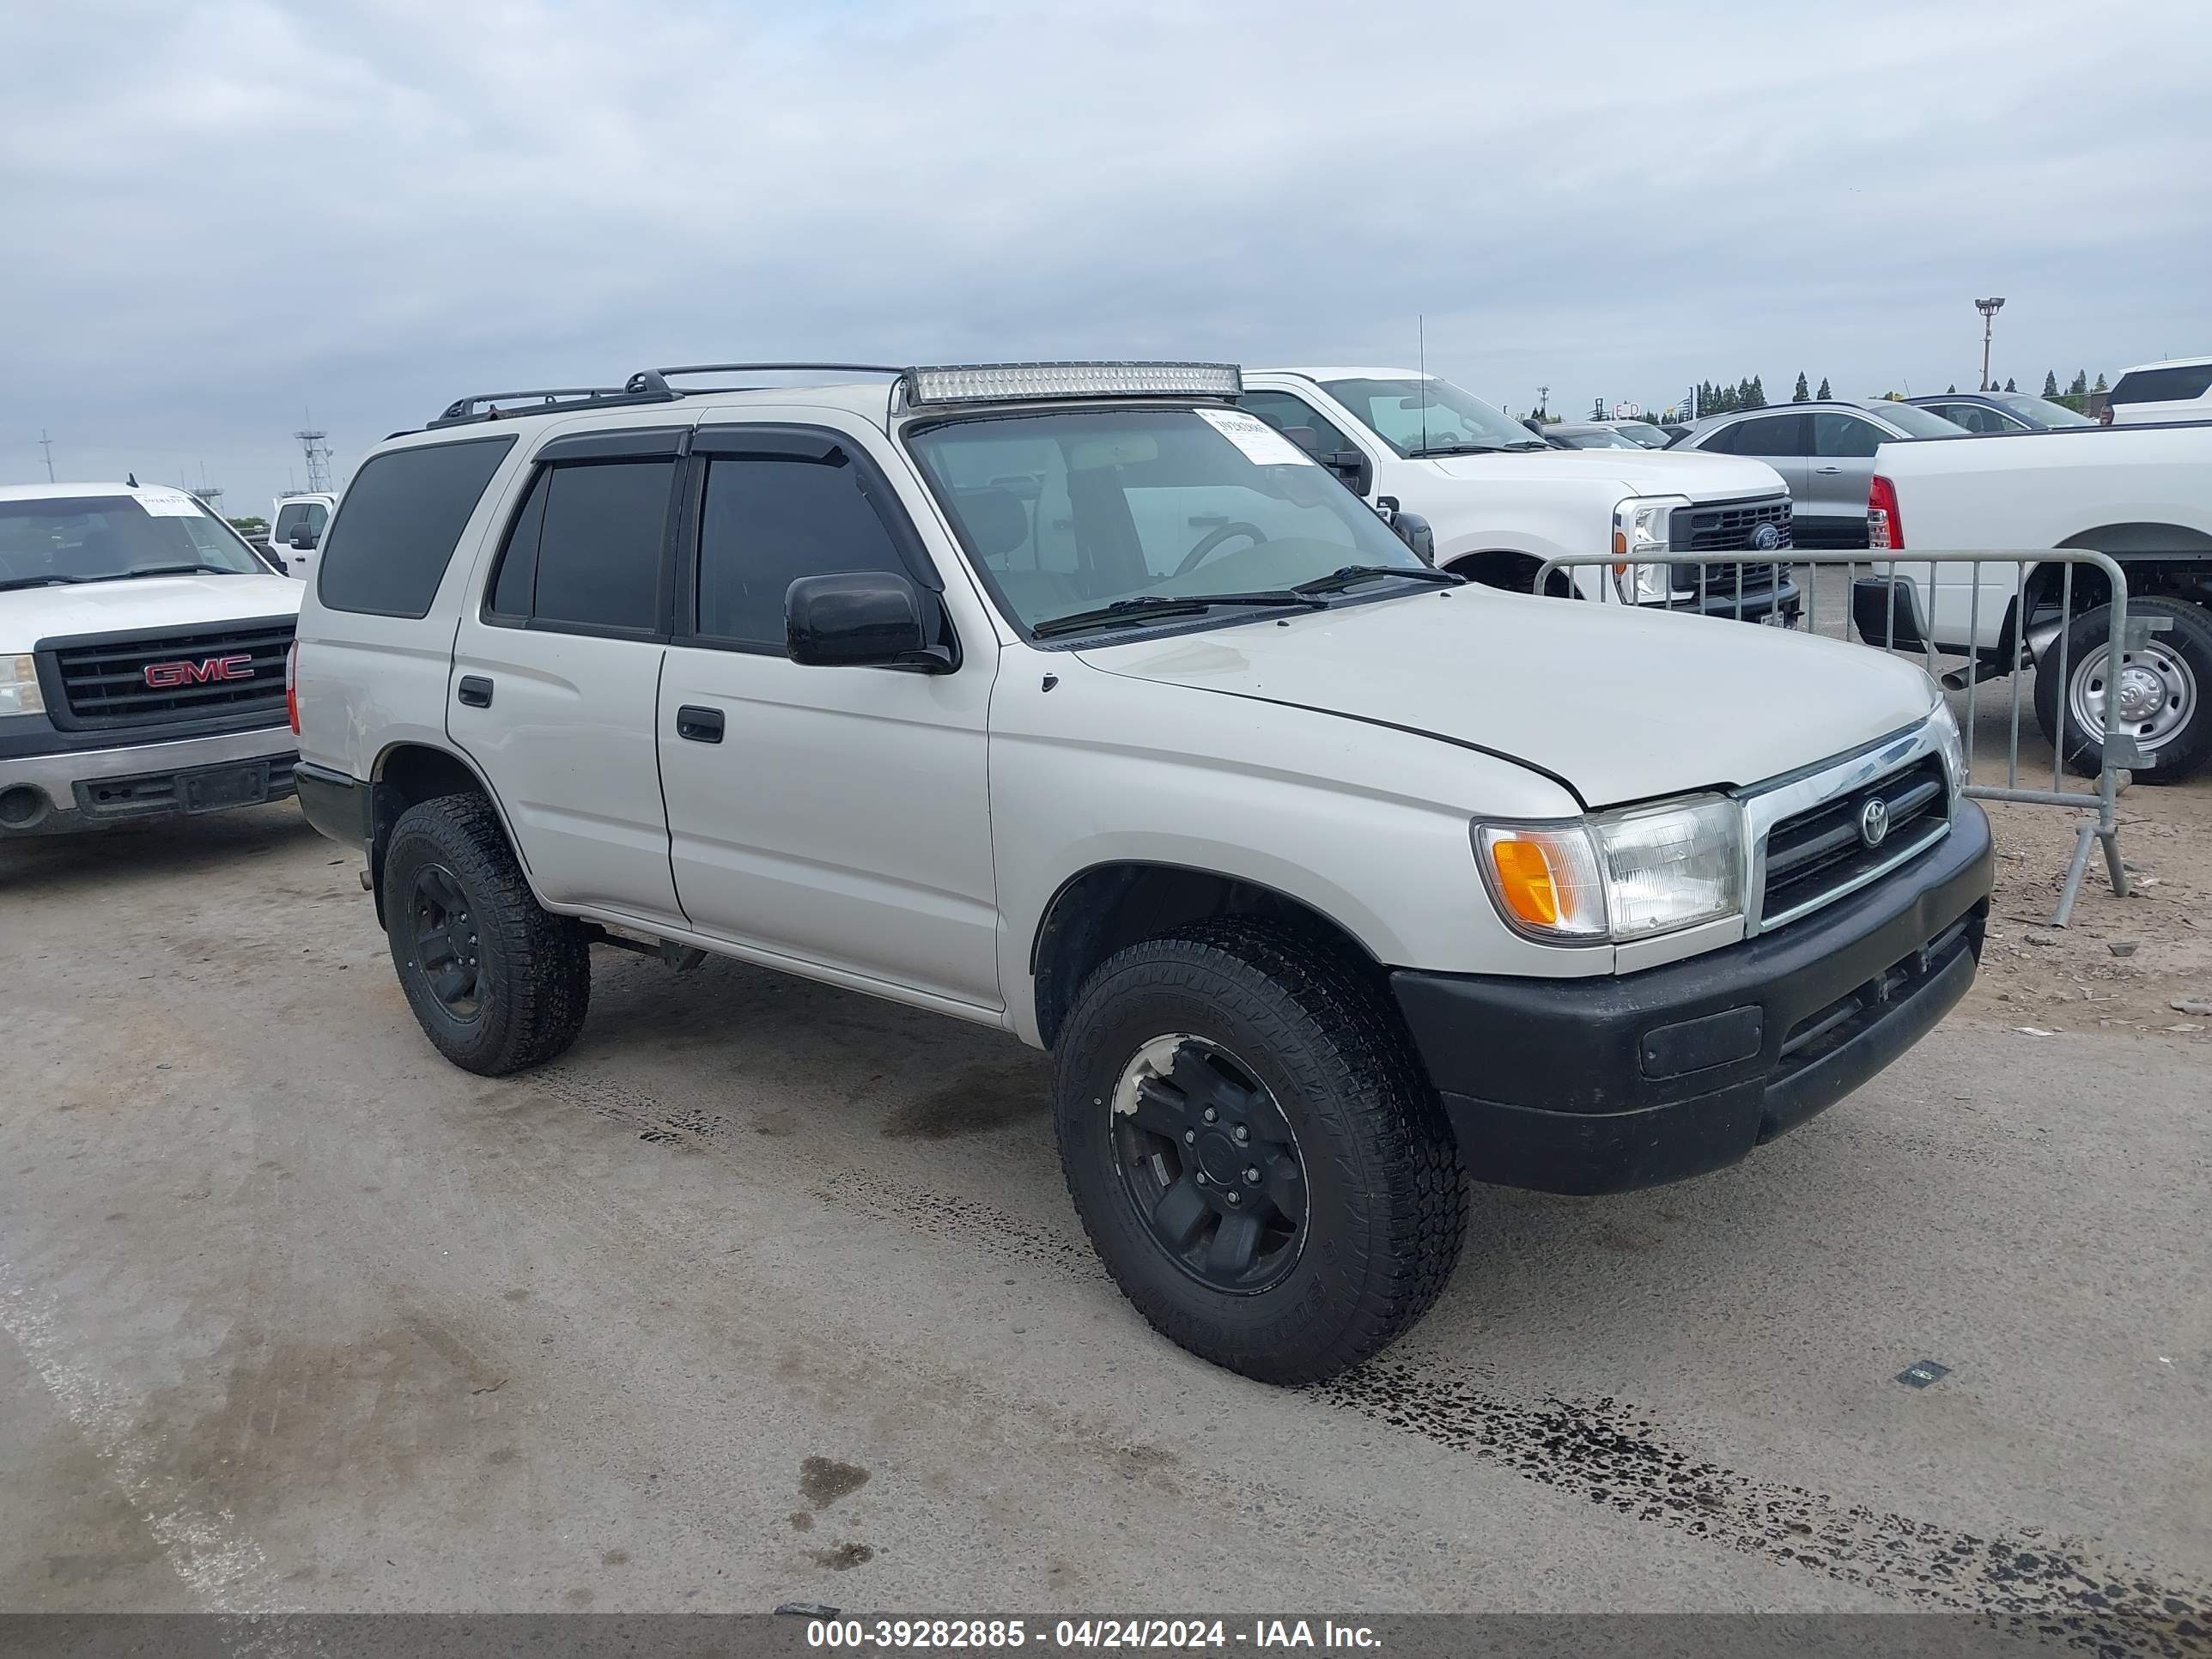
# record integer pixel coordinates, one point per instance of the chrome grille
(1817, 855)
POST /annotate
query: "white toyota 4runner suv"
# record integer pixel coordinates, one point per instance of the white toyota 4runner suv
(1070, 699)
(1500, 500)
(142, 660)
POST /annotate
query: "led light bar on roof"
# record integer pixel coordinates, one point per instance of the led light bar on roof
(990, 383)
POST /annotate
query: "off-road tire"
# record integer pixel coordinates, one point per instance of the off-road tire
(2188, 633)
(538, 966)
(1386, 1195)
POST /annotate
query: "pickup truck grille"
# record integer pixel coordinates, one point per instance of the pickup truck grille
(234, 669)
(1822, 853)
(1728, 526)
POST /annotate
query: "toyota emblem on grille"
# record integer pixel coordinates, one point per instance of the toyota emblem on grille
(1766, 538)
(1874, 821)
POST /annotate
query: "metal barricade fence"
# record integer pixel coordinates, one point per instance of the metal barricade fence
(1754, 588)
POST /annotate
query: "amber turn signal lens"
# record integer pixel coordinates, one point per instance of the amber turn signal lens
(1525, 881)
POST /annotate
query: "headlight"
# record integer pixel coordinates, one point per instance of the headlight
(1619, 876)
(1949, 741)
(19, 686)
(1640, 530)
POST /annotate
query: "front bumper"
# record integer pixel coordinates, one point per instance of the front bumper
(131, 782)
(1783, 602)
(1602, 1085)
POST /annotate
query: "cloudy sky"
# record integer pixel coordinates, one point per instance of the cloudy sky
(221, 217)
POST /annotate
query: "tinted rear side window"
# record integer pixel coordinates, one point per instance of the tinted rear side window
(401, 519)
(1771, 435)
(2163, 385)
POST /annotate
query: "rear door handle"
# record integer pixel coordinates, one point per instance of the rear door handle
(699, 725)
(475, 692)
(1827, 470)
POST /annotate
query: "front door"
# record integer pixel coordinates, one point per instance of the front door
(836, 816)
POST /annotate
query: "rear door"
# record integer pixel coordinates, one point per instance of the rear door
(558, 668)
(1839, 475)
(827, 816)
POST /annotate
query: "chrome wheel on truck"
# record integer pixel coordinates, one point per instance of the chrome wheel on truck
(2162, 685)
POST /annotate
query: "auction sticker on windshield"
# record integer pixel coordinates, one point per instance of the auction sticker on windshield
(170, 506)
(1261, 444)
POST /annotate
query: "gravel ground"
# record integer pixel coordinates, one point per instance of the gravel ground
(767, 1292)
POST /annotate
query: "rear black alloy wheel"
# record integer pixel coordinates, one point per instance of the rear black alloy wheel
(1210, 1164)
(496, 981)
(446, 944)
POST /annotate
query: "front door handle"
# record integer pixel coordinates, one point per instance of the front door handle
(475, 692)
(699, 725)
(1827, 471)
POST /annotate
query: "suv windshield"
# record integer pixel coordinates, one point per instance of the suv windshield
(1642, 433)
(95, 538)
(1430, 417)
(2041, 410)
(1071, 512)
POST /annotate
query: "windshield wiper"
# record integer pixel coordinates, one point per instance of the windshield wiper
(1424, 450)
(1352, 575)
(164, 570)
(1145, 606)
(13, 582)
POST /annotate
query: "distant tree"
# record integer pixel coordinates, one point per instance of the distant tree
(1803, 391)
(1758, 393)
(2100, 385)
(1823, 394)
(2009, 386)
(2081, 386)
(1950, 388)
(252, 525)
(1894, 397)
(2050, 383)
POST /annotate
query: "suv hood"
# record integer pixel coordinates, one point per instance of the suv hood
(28, 615)
(1635, 472)
(1621, 704)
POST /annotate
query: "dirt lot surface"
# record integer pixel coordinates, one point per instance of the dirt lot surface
(767, 1291)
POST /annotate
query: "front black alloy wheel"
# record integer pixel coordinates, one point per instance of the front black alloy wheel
(1253, 1150)
(1211, 1164)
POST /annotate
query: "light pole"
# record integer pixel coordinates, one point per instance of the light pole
(1989, 308)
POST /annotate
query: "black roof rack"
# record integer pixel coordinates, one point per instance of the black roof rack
(655, 380)
(484, 406)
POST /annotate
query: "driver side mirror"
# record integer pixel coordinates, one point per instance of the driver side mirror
(302, 538)
(860, 619)
(1413, 529)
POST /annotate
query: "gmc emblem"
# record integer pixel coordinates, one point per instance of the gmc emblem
(163, 676)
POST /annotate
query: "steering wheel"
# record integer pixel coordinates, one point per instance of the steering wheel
(1213, 538)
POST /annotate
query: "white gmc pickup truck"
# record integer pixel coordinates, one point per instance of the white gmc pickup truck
(142, 660)
(2142, 495)
(1500, 501)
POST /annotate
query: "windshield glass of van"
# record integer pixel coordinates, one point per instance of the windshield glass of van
(1430, 417)
(91, 539)
(1071, 512)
